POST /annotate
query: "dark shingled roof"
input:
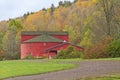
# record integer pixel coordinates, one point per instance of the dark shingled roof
(44, 32)
(44, 38)
(61, 44)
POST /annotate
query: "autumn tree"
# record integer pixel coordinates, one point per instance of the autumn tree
(61, 3)
(75, 1)
(71, 32)
(109, 8)
(65, 3)
(11, 40)
(1, 45)
(52, 8)
(44, 9)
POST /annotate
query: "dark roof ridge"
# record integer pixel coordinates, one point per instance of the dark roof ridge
(44, 32)
(63, 44)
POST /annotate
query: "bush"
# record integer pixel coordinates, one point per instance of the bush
(69, 53)
(98, 50)
(12, 56)
(1, 56)
(15, 56)
(29, 56)
(114, 49)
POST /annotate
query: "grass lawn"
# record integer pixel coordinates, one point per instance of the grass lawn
(112, 77)
(102, 59)
(19, 68)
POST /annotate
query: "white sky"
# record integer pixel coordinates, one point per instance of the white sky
(16, 8)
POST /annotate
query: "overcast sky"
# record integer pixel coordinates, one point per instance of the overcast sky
(16, 8)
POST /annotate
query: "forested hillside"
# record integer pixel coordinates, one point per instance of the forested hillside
(93, 24)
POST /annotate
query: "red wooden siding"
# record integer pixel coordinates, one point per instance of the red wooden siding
(35, 49)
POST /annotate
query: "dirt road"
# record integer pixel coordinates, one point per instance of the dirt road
(85, 69)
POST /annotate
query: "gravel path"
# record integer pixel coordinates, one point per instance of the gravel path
(85, 69)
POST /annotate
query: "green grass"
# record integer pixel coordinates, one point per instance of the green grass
(20, 68)
(110, 58)
(112, 77)
(103, 59)
(66, 60)
(80, 59)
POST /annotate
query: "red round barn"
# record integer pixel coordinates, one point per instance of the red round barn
(43, 43)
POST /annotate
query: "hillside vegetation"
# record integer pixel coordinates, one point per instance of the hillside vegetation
(93, 24)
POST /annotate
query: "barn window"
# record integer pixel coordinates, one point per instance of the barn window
(53, 51)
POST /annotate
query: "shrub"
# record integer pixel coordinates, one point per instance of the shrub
(29, 56)
(1, 56)
(12, 56)
(15, 56)
(61, 54)
(69, 53)
(114, 49)
(98, 50)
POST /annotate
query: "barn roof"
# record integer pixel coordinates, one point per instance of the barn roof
(44, 38)
(44, 32)
(58, 45)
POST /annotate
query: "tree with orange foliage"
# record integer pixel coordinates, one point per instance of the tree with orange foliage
(99, 50)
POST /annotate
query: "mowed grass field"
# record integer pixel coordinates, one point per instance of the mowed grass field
(21, 67)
